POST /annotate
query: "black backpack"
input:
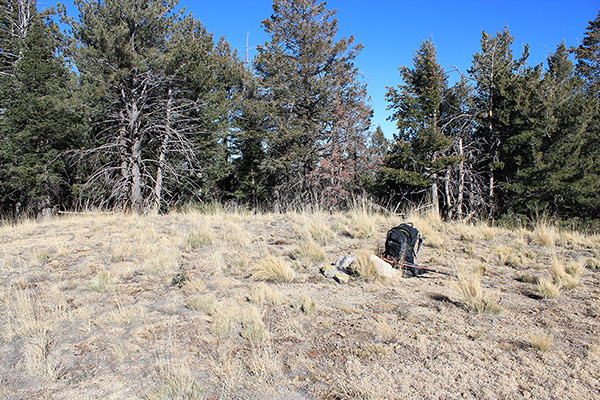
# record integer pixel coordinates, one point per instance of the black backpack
(401, 242)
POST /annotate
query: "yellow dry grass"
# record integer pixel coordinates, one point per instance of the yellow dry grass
(541, 341)
(89, 307)
(274, 269)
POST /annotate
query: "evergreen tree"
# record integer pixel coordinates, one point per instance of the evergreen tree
(39, 124)
(418, 155)
(309, 83)
(161, 92)
(495, 73)
(588, 55)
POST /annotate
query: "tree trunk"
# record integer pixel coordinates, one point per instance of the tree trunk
(461, 180)
(435, 198)
(137, 203)
(162, 157)
(447, 193)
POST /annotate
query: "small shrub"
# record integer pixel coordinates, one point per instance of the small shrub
(541, 341)
(274, 269)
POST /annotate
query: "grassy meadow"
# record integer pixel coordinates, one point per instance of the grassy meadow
(232, 305)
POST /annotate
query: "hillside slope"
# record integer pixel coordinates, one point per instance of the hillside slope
(113, 306)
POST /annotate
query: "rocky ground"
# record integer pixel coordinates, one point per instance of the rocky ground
(232, 305)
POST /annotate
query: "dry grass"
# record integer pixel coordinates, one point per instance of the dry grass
(315, 227)
(561, 278)
(226, 331)
(547, 289)
(177, 383)
(545, 234)
(103, 282)
(541, 341)
(310, 251)
(262, 293)
(364, 267)
(273, 269)
(363, 223)
(253, 327)
(203, 303)
(200, 237)
(473, 296)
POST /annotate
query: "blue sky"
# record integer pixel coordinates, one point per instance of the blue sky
(391, 31)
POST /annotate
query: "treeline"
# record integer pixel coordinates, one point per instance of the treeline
(138, 107)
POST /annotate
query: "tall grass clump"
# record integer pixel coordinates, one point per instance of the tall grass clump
(310, 251)
(473, 296)
(544, 233)
(274, 269)
(561, 278)
(546, 289)
(315, 227)
(364, 267)
(200, 237)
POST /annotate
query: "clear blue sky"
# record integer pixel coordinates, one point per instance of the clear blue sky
(391, 30)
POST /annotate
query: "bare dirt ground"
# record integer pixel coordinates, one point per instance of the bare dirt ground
(112, 306)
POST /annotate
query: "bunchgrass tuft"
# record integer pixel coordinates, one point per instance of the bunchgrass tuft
(364, 267)
(262, 293)
(198, 238)
(202, 303)
(544, 233)
(311, 252)
(592, 263)
(253, 327)
(103, 282)
(474, 298)
(273, 269)
(546, 289)
(561, 278)
(541, 341)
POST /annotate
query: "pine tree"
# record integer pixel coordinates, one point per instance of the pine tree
(588, 56)
(39, 124)
(495, 73)
(162, 93)
(418, 155)
(309, 82)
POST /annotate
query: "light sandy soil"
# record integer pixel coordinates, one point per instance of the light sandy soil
(89, 310)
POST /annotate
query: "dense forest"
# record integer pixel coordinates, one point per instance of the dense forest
(135, 106)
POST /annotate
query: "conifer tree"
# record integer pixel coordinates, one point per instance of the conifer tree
(161, 91)
(495, 72)
(38, 125)
(310, 84)
(418, 155)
